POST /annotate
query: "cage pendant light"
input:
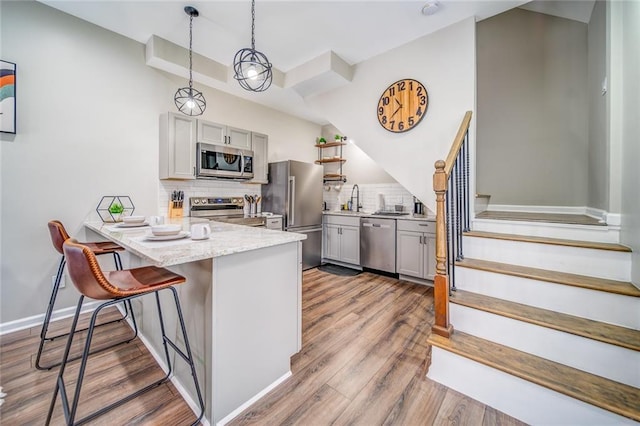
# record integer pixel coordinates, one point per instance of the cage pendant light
(189, 100)
(252, 68)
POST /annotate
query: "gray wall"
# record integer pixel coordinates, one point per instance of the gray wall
(532, 143)
(598, 181)
(630, 61)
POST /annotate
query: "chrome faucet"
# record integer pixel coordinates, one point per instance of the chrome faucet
(355, 187)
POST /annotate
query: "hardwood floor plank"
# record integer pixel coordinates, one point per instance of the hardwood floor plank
(418, 404)
(327, 404)
(458, 409)
(493, 417)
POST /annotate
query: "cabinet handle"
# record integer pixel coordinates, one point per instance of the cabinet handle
(229, 140)
(420, 239)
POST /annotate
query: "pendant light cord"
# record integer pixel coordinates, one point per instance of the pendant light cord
(190, 51)
(253, 24)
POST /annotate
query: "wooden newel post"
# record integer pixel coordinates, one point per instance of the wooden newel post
(442, 326)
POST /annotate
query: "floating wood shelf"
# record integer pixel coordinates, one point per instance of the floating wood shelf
(335, 177)
(330, 160)
(329, 144)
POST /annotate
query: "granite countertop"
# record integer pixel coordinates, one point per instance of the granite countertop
(370, 214)
(225, 239)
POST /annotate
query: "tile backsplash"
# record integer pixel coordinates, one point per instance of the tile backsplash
(370, 196)
(202, 188)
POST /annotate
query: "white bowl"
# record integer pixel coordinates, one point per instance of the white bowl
(133, 219)
(162, 230)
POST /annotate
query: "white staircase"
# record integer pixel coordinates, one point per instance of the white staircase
(545, 329)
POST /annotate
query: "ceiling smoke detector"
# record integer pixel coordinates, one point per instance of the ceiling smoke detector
(430, 8)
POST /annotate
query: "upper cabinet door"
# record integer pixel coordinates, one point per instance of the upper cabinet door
(213, 133)
(239, 138)
(177, 146)
(259, 143)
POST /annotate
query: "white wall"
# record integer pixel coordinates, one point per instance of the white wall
(598, 169)
(88, 110)
(359, 167)
(445, 63)
(629, 14)
(532, 110)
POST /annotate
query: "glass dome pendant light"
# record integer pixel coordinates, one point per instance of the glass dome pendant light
(252, 68)
(189, 100)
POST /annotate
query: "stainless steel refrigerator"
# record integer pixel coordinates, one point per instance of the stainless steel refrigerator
(295, 191)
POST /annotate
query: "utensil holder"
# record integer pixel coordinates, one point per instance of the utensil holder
(175, 210)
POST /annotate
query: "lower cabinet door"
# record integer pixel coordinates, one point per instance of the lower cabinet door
(331, 242)
(350, 245)
(410, 254)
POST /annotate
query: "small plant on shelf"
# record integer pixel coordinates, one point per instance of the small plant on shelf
(116, 210)
(322, 140)
(337, 138)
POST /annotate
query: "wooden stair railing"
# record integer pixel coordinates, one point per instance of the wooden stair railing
(451, 185)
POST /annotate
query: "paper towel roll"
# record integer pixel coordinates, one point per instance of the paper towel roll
(380, 203)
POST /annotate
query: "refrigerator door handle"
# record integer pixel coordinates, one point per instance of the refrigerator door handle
(292, 201)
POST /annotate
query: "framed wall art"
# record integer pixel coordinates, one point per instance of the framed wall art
(7, 97)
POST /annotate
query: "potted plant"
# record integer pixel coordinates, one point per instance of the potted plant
(116, 209)
(322, 140)
(338, 138)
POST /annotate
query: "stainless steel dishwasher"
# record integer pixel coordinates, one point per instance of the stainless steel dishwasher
(378, 244)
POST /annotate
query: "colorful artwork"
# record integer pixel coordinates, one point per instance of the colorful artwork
(7, 97)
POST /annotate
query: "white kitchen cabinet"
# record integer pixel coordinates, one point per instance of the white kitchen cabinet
(341, 239)
(416, 244)
(177, 146)
(260, 144)
(219, 134)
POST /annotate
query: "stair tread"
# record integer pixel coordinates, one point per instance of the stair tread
(566, 218)
(595, 390)
(596, 330)
(593, 283)
(552, 241)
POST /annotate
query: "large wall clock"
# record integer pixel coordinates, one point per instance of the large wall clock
(402, 105)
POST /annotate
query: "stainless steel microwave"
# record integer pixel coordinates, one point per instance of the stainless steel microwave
(217, 161)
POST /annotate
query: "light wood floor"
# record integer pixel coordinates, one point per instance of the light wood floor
(363, 362)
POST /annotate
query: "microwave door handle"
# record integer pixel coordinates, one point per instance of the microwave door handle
(241, 164)
(292, 200)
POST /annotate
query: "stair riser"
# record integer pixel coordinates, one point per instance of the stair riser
(602, 234)
(596, 305)
(516, 397)
(591, 262)
(602, 359)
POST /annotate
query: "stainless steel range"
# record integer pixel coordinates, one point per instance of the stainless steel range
(223, 209)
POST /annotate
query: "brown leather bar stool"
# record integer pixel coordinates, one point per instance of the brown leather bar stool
(58, 236)
(114, 287)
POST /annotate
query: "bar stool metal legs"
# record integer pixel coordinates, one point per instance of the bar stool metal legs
(70, 407)
(52, 300)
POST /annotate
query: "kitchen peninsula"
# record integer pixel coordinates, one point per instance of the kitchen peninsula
(241, 303)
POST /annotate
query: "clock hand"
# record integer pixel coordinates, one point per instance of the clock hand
(398, 102)
(394, 113)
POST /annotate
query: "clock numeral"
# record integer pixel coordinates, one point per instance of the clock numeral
(423, 100)
(419, 112)
(384, 119)
(411, 86)
(401, 126)
(392, 91)
(411, 122)
(385, 100)
(401, 86)
(380, 110)
(392, 124)
(419, 90)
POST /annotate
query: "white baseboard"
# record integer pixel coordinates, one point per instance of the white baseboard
(37, 320)
(256, 397)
